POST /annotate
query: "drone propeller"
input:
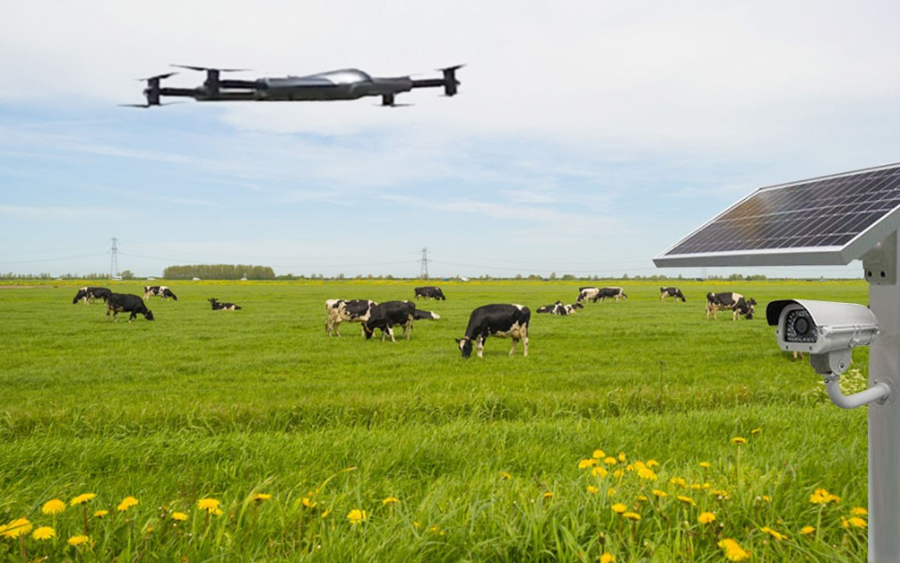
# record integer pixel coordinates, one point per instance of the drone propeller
(157, 77)
(147, 105)
(208, 69)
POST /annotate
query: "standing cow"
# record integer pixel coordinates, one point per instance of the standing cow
(385, 316)
(616, 292)
(123, 303)
(429, 292)
(729, 300)
(346, 310)
(588, 294)
(671, 292)
(500, 320)
(88, 294)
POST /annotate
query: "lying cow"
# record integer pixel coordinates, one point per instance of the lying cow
(344, 310)
(385, 316)
(559, 309)
(495, 320)
(429, 292)
(734, 301)
(419, 315)
(123, 303)
(671, 292)
(159, 290)
(88, 294)
(217, 306)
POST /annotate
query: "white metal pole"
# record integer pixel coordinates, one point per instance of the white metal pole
(884, 421)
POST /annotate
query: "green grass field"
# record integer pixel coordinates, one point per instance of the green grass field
(488, 459)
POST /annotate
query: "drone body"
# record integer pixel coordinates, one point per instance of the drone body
(344, 84)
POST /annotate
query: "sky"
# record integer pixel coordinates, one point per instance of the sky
(587, 137)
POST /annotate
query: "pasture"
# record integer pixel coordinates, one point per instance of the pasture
(487, 459)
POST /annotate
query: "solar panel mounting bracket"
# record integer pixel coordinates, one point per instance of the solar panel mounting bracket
(880, 262)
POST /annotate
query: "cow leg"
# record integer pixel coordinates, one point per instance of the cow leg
(479, 345)
(408, 329)
(525, 340)
(515, 343)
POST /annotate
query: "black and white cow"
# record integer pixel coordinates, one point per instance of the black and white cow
(616, 292)
(162, 291)
(123, 303)
(500, 320)
(559, 309)
(671, 292)
(429, 292)
(385, 316)
(88, 294)
(734, 301)
(420, 314)
(588, 293)
(346, 310)
(217, 306)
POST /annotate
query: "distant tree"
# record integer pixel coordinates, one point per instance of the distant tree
(127, 275)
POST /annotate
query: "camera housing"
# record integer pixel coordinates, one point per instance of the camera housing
(828, 331)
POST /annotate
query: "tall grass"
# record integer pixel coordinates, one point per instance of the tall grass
(202, 404)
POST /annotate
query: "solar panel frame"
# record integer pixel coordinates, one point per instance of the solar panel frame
(750, 232)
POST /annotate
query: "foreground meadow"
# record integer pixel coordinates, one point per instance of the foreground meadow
(633, 431)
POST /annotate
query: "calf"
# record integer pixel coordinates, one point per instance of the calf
(734, 301)
(159, 290)
(500, 320)
(122, 303)
(429, 291)
(217, 306)
(559, 309)
(671, 292)
(88, 294)
(616, 292)
(341, 310)
(385, 316)
(419, 314)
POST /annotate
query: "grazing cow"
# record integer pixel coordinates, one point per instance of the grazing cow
(124, 303)
(430, 291)
(734, 301)
(217, 306)
(386, 315)
(495, 320)
(349, 310)
(588, 293)
(88, 294)
(671, 292)
(162, 291)
(616, 292)
(419, 314)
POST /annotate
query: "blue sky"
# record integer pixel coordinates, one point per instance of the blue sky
(587, 138)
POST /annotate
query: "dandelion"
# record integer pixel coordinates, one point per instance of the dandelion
(633, 516)
(210, 505)
(357, 516)
(607, 558)
(733, 550)
(44, 533)
(687, 500)
(610, 460)
(585, 463)
(16, 528)
(599, 471)
(652, 463)
(390, 500)
(858, 522)
(82, 499)
(179, 516)
(309, 503)
(773, 533)
(548, 495)
(739, 440)
(766, 498)
(504, 475)
(642, 498)
(660, 494)
(807, 530)
(822, 496)
(598, 454)
(705, 464)
(618, 473)
(101, 513)
(260, 498)
(720, 493)
(622, 457)
(756, 431)
(678, 482)
(611, 491)
(619, 508)
(78, 540)
(127, 503)
(593, 490)
(706, 518)
(53, 507)
(859, 511)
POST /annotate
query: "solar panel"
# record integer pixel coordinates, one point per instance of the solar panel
(830, 220)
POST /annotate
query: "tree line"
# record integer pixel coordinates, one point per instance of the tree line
(219, 272)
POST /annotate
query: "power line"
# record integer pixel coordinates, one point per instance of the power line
(423, 271)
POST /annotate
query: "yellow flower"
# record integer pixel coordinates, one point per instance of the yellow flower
(619, 508)
(822, 496)
(687, 500)
(179, 516)
(585, 463)
(622, 457)
(706, 518)
(593, 490)
(101, 513)
(78, 540)
(733, 550)
(357, 516)
(858, 522)
(309, 503)
(642, 498)
(618, 473)
(859, 511)
(766, 498)
(127, 503)
(390, 500)
(53, 507)
(705, 464)
(652, 463)
(505, 475)
(326, 512)
(660, 494)
(807, 530)
(773, 533)
(599, 471)
(610, 460)
(738, 440)
(210, 505)
(634, 516)
(16, 528)
(722, 494)
(548, 494)
(598, 454)
(607, 558)
(44, 533)
(82, 499)
(679, 482)
(756, 431)
(696, 486)
(611, 491)
(260, 498)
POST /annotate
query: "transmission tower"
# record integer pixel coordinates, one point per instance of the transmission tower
(114, 260)
(423, 272)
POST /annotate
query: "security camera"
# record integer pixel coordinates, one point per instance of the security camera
(828, 331)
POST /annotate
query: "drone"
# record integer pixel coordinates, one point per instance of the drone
(344, 84)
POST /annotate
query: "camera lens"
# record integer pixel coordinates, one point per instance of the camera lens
(801, 326)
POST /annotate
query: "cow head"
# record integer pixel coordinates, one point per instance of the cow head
(368, 330)
(81, 293)
(148, 315)
(465, 346)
